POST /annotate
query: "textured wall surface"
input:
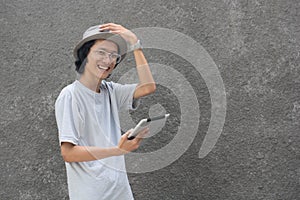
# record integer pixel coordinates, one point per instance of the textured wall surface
(255, 45)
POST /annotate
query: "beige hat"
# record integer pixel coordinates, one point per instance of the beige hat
(93, 33)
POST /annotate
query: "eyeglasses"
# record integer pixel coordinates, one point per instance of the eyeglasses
(104, 54)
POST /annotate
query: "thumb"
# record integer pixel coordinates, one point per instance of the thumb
(127, 133)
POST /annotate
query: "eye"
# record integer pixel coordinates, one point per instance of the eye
(101, 52)
(114, 56)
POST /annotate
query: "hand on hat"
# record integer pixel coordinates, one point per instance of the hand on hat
(129, 36)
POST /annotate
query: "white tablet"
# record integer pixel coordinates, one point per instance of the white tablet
(143, 124)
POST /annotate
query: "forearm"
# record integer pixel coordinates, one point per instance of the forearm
(88, 153)
(146, 82)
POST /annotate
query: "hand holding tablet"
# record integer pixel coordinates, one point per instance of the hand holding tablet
(143, 124)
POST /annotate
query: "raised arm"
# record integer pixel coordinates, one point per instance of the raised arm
(146, 84)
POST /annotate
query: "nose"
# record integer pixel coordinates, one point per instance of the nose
(106, 59)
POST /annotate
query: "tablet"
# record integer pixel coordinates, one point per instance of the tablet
(143, 124)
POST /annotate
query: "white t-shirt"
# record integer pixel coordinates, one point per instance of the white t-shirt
(87, 118)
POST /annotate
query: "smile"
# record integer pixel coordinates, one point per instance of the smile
(102, 67)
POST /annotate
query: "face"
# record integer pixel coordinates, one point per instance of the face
(101, 59)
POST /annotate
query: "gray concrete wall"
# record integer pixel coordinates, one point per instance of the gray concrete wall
(255, 46)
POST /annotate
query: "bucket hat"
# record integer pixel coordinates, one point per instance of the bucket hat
(93, 33)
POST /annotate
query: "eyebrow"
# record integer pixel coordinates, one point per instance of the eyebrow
(101, 48)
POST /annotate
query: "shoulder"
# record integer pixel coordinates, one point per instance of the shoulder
(66, 92)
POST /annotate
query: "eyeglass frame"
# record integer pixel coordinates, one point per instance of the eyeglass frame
(117, 59)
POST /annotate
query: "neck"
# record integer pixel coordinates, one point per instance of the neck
(93, 85)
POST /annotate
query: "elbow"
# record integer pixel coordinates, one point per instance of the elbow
(144, 90)
(66, 157)
(154, 87)
(151, 88)
(66, 152)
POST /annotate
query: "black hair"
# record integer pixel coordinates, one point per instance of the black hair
(82, 56)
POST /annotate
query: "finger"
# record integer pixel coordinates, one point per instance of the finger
(110, 25)
(127, 133)
(111, 30)
(138, 140)
(106, 25)
(104, 28)
(142, 134)
(115, 32)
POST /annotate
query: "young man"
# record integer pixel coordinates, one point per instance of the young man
(87, 114)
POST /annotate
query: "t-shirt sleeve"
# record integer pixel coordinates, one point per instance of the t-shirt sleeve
(124, 96)
(66, 113)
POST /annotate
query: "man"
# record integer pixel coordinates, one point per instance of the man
(87, 114)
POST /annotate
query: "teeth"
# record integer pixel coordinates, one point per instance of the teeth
(101, 67)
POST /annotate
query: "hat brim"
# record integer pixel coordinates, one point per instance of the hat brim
(117, 39)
